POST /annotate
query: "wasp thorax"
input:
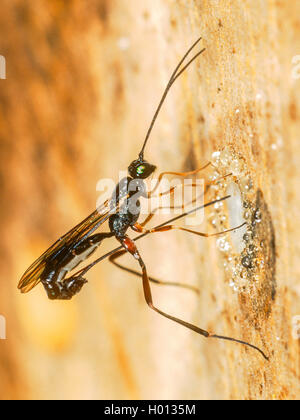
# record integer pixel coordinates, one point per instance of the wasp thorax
(140, 169)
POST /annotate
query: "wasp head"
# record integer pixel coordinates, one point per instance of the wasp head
(140, 168)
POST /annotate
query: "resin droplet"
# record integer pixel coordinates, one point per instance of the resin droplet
(246, 262)
(223, 244)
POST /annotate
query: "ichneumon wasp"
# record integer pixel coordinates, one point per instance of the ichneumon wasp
(78, 244)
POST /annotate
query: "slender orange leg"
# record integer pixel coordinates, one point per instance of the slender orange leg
(113, 259)
(130, 247)
(139, 228)
(171, 191)
(182, 174)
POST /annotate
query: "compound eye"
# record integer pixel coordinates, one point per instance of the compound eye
(140, 169)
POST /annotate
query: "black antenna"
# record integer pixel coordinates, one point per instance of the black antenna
(174, 76)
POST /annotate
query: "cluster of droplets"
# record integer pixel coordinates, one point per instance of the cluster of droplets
(241, 268)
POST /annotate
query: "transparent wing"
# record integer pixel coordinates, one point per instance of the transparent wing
(70, 240)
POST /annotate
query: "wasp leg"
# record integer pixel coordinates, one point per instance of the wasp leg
(171, 190)
(117, 255)
(182, 174)
(130, 247)
(139, 228)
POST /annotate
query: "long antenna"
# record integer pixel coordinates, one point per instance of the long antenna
(174, 76)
